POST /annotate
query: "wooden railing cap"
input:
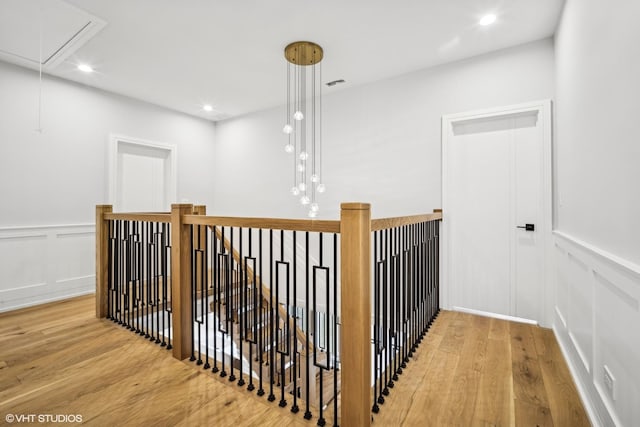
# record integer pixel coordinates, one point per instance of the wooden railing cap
(356, 206)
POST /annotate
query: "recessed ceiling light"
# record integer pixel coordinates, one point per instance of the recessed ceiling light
(85, 68)
(207, 107)
(487, 19)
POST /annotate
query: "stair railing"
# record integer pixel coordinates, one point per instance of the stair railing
(231, 295)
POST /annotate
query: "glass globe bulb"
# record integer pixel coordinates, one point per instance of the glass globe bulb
(288, 148)
(315, 178)
(287, 129)
(304, 155)
(300, 167)
(295, 191)
(302, 186)
(298, 115)
(304, 200)
(314, 207)
(321, 188)
(313, 214)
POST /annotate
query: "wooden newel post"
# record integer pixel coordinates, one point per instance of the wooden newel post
(355, 288)
(181, 281)
(102, 259)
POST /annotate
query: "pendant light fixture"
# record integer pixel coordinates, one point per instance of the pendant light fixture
(303, 125)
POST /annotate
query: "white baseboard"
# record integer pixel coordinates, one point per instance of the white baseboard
(495, 315)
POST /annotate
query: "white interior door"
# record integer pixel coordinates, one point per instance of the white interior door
(496, 183)
(143, 176)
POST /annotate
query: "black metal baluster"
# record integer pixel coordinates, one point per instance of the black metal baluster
(377, 384)
(146, 241)
(193, 296)
(148, 304)
(436, 225)
(307, 412)
(151, 257)
(294, 352)
(148, 268)
(414, 289)
(130, 266)
(272, 318)
(137, 283)
(166, 233)
(320, 366)
(398, 300)
(122, 273)
(215, 264)
(110, 271)
(392, 312)
(261, 335)
(204, 289)
(251, 334)
(225, 267)
(282, 334)
(432, 271)
(125, 282)
(410, 294)
(418, 282)
(404, 302)
(158, 294)
(335, 330)
(231, 303)
(241, 303)
(124, 267)
(135, 258)
(160, 248)
(387, 318)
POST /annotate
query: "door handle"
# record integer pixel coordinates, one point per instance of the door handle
(527, 227)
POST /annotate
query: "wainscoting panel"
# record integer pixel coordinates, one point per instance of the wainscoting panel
(45, 263)
(580, 316)
(597, 322)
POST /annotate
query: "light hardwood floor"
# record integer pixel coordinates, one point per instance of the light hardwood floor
(59, 359)
(479, 371)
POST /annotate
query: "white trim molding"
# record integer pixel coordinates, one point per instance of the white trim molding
(43, 263)
(495, 315)
(117, 141)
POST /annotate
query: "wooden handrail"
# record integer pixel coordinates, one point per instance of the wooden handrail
(385, 223)
(139, 216)
(326, 226)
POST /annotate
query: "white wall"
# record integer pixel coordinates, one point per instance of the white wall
(50, 182)
(597, 240)
(381, 141)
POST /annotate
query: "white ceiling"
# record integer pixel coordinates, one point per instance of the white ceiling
(229, 53)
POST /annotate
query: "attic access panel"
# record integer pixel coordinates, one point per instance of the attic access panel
(62, 27)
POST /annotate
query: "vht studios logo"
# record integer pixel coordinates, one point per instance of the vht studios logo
(43, 418)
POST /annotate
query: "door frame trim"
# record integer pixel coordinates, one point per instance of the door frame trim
(544, 109)
(115, 143)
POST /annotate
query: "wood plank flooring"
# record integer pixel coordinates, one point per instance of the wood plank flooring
(479, 371)
(59, 359)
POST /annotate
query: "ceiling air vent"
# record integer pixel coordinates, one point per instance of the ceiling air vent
(34, 31)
